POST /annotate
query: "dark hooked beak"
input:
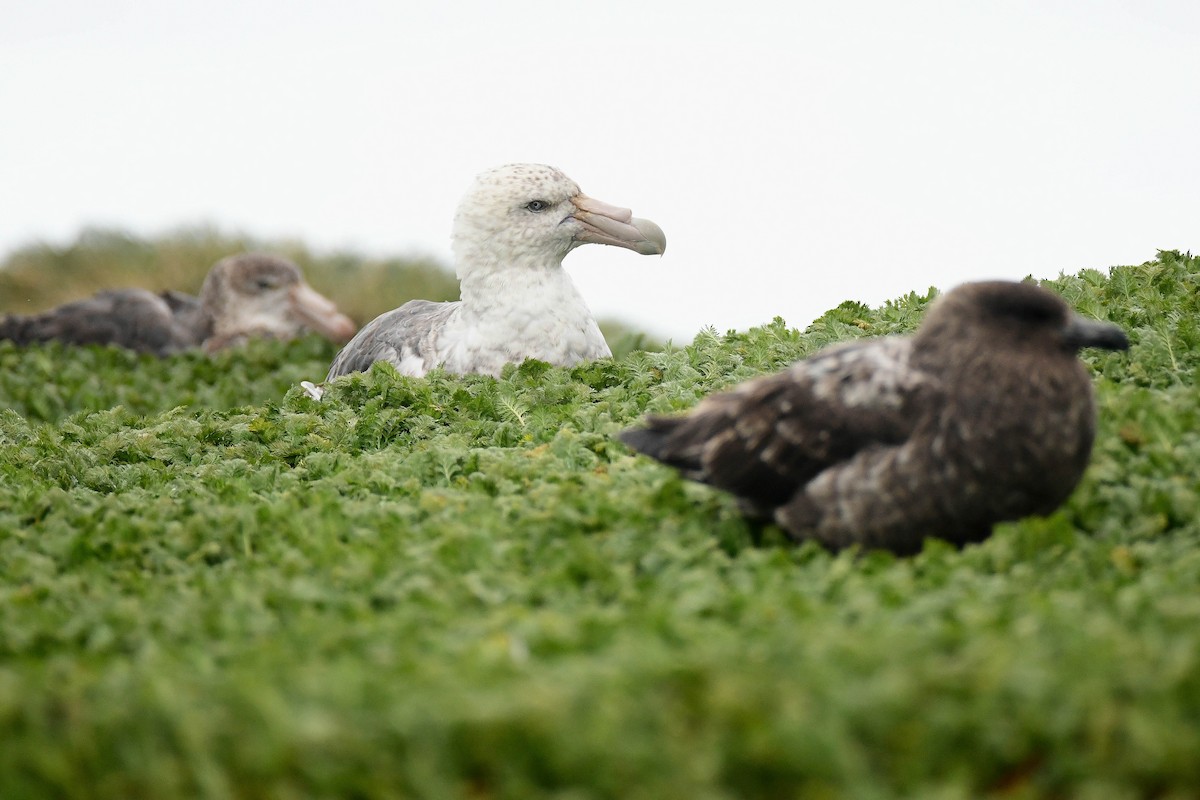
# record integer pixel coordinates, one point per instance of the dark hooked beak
(1084, 332)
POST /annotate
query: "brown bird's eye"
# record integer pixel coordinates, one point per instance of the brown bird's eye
(263, 284)
(537, 206)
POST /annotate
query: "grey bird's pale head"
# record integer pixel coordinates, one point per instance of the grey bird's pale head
(264, 295)
(533, 215)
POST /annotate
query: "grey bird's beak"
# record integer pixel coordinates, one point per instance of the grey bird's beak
(1083, 332)
(605, 224)
(318, 313)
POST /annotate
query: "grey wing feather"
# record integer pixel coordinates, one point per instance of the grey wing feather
(771, 435)
(179, 302)
(132, 318)
(189, 315)
(399, 336)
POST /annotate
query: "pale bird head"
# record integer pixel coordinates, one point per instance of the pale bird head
(533, 215)
(262, 295)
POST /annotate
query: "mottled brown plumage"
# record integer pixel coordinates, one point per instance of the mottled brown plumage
(242, 297)
(985, 414)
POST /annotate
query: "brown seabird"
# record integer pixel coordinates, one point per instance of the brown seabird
(984, 414)
(243, 296)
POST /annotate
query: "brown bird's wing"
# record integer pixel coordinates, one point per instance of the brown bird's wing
(769, 436)
(131, 318)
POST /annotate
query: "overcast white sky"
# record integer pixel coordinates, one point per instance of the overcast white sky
(796, 154)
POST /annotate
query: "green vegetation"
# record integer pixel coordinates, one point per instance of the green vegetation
(464, 587)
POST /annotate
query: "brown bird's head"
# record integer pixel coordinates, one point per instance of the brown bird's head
(999, 314)
(263, 295)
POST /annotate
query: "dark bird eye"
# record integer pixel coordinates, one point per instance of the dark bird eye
(263, 284)
(537, 206)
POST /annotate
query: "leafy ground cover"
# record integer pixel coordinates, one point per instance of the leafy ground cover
(464, 587)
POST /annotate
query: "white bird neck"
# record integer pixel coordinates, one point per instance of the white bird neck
(508, 315)
(489, 289)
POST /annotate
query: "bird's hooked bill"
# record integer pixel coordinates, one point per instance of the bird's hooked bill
(319, 313)
(608, 224)
(1083, 332)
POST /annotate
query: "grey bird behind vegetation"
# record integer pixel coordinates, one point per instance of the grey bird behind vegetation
(243, 296)
(985, 414)
(513, 228)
